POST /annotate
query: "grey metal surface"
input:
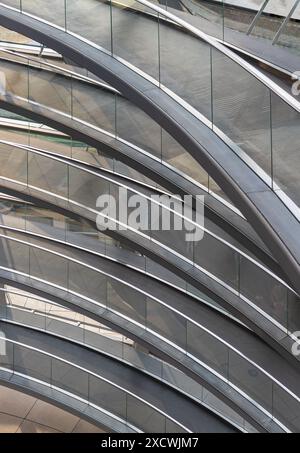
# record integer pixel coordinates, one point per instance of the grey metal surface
(213, 278)
(155, 393)
(166, 352)
(283, 247)
(161, 317)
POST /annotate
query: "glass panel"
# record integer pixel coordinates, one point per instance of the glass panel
(85, 236)
(143, 416)
(249, 128)
(13, 214)
(48, 174)
(191, 79)
(107, 396)
(207, 348)
(50, 140)
(87, 282)
(102, 343)
(14, 135)
(138, 128)
(286, 139)
(293, 312)
(22, 315)
(15, 78)
(97, 28)
(176, 156)
(132, 34)
(49, 267)
(92, 156)
(164, 274)
(85, 187)
(14, 255)
(181, 380)
(251, 380)
(218, 258)
(50, 89)
(94, 105)
(135, 355)
(166, 323)
(126, 300)
(11, 35)
(13, 3)
(32, 363)
(70, 378)
(264, 290)
(4, 313)
(122, 168)
(7, 353)
(207, 15)
(286, 409)
(170, 229)
(53, 11)
(64, 327)
(13, 163)
(45, 222)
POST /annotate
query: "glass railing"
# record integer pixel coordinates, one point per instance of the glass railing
(126, 122)
(210, 81)
(50, 224)
(275, 20)
(76, 188)
(27, 310)
(25, 132)
(96, 105)
(152, 316)
(86, 386)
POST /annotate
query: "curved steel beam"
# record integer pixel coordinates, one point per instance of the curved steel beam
(226, 296)
(158, 347)
(220, 214)
(144, 335)
(264, 210)
(67, 403)
(217, 323)
(114, 346)
(152, 394)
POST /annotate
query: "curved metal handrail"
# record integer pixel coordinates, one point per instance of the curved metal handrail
(285, 254)
(262, 78)
(209, 40)
(217, 280)
(290, 100)
(214, 380)
(147, 197)
(205, 329)
(74, 75)
(98, 376)
(151, 371)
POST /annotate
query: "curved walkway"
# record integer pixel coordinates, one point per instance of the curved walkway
(261, 206)
(133, 399)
